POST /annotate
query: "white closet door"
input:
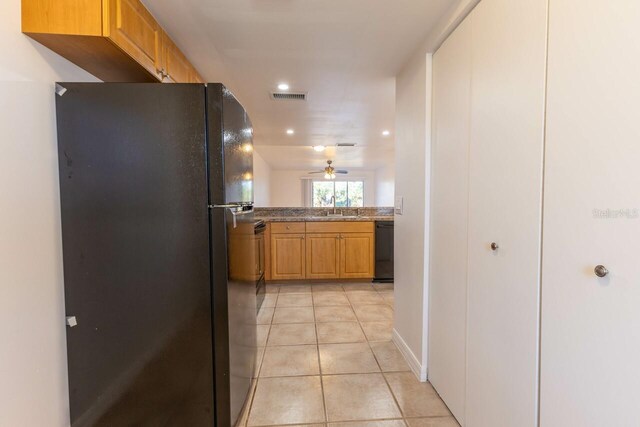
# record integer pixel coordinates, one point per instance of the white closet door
(507, 129)
(449, 216)
(590, 372)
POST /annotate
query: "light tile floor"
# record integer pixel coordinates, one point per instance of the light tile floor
(326, 359)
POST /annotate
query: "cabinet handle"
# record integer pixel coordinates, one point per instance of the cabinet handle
(494, 246)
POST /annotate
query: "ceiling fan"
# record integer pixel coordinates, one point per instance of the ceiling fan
(330, 172)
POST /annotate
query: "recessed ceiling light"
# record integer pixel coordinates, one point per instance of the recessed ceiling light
(283, 86)
(290, 131)
(319, 148)
(386, 133)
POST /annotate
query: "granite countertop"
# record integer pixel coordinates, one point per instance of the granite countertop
(314, 218)
(297, 214)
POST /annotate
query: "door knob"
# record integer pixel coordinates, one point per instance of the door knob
(601, 271)
(494, 246)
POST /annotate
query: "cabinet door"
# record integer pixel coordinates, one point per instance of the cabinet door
(591, 325)
(267, 252)
(449, 218)
(357, 259)
(260, 256)
(195, 77)
(505, 191)
(133, 29)
(287, 256)
(323, 256)
(176, 67)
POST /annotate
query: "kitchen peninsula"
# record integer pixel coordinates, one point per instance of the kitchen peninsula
(320, 243)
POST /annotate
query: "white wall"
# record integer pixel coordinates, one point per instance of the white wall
(261, 181)
(33, 385)
(286, 187)
(413, 170)
(385, 185)
(413, 103)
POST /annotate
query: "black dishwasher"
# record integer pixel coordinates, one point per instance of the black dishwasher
(384, 252)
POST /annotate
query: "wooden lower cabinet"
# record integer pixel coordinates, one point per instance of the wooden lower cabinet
(287, 256)
(327, 250)
(357, 257)
(323, 256)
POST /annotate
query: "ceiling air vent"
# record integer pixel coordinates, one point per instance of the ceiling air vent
(289, 96)
(345, 144)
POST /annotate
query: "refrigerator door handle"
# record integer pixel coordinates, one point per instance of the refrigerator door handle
(235, 210)
(229, 206)
(237, 213)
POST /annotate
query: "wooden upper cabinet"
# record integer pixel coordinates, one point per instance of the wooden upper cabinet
(133, 29)
(323, 256)
(71, 17)
(357, 255)
(115, 40)
(287, 256)
(196, 77)
(175, 66)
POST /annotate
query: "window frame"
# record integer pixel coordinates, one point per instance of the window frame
(347, 181)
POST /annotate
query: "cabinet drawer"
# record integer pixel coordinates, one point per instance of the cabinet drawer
(340, 227)
(287, 227)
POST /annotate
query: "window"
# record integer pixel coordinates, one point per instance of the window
(346, 193)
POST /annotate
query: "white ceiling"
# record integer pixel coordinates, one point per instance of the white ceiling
(344, 53)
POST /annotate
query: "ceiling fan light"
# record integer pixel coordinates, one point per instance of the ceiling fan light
(327, 176)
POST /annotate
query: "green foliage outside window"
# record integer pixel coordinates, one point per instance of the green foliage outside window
(347, 194)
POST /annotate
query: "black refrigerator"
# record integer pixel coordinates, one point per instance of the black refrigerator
(156, 187)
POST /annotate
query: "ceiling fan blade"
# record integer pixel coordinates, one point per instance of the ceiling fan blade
(311, 173)
(343, 172)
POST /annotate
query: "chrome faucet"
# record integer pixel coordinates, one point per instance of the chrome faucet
(333, 200)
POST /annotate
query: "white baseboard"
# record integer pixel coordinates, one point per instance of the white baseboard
(412, 360)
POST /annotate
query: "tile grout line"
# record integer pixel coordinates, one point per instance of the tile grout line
(374, 355)
(313, 306)
(315, 328)
(395, 400)
(264, 353)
